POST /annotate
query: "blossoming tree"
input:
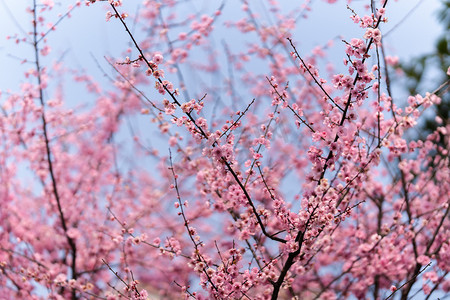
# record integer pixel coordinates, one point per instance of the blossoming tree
(287, 177)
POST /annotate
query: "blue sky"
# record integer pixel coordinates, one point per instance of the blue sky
(86, 34)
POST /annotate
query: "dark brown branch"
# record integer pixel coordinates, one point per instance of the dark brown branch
(407, 282)
(62, 219)
(312, 75)
(200, 130)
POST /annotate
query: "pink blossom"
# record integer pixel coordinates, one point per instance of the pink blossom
(247, 164)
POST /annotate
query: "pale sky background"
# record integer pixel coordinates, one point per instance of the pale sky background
(86, 33)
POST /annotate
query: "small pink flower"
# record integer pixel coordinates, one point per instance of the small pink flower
(432, 276)
(426, 289)
(73, 233)
(182, 36)
(45, 50)
(392, 60)
(108, 16)
(48, 3)
(158, 59)
(423, 259)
